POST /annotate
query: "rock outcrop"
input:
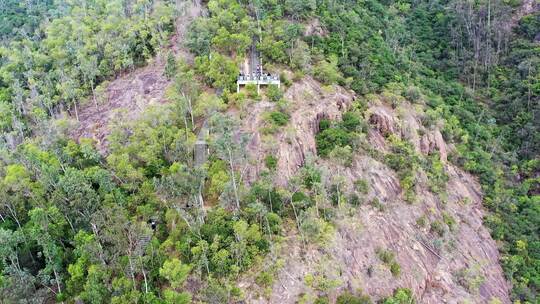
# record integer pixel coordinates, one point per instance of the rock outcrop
(309, 104)
(382, 120)
(457, 264)
(434, 142)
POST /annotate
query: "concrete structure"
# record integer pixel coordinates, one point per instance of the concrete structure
(201, 149)
(201, 152)
(257, 80)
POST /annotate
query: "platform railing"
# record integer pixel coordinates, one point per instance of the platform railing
(258, 78)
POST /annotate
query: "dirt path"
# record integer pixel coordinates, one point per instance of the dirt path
(128, 95)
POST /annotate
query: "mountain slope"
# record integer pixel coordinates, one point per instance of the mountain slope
(460, 265)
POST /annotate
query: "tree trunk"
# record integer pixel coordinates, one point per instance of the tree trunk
(76, 111)
(94, 94)
(144, 276)
(231, 165)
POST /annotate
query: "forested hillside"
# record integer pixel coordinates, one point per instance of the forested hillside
(400, 130)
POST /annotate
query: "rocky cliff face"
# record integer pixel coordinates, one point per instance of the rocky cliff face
(458, 267)
(309, 103)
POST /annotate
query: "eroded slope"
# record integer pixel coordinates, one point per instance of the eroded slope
(461, 264)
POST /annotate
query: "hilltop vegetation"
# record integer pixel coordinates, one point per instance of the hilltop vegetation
(77, 225)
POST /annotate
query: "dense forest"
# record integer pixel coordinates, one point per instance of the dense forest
(143, 223)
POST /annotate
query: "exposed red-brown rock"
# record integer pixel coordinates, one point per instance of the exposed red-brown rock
(434, 142)
(430, 264)
(309, 104)
(382, 120)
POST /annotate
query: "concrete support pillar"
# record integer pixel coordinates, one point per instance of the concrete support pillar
(237, 87)
(201, 152)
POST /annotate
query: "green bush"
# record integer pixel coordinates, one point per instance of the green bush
(224, 245)
(299, 196)
(322, 300)
(285, 80)
(351, 121)
(421, 221)
(449, 220)
(274, 93)
(271, 162)
(310, 175)
(264, 279)
(314, 228)
(324, 124)
(377, 204)
(355, 200)
(395, 269)
(361, 185)
(329, 138)
(388, 258)
(348, 298)
(385, 256)
(437, 177)
(279, 118)
(251, 90)
(342, 155)
(437, 227)
(400, 296)
(327, 72)
(404, 160)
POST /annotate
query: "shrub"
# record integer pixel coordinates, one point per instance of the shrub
(327, 72)
(329, 138)
(388, 258)
(271, 162)
(279, 118)
(395, 269)
(215, 292)
(348, 298)
(361, 185)
(237, 99)
(251, 90)
(437, 177)
(342, 155)
(274, 120)
(264, 279)
(377, 204)
(314, 228)
(351, 121)
(225, 246)
(449, 220)
(274, 93)
(385, 256)
(311, 175)
(401, 296)
(413, 94)
(322, 300)
(355, 200)
(437, 227)
(324, 124)
(284, 79)
(470, 278)
(421, 221)
(299, 197)
(404, 160)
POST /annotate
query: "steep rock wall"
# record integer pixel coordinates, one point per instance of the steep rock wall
(461, 266)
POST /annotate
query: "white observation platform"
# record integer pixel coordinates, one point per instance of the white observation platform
(257, 79)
